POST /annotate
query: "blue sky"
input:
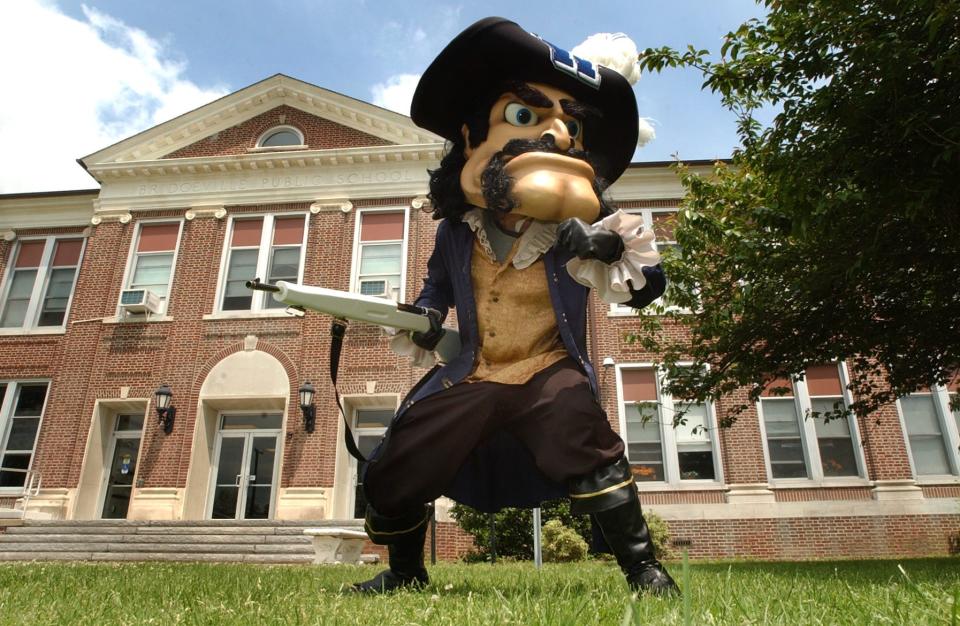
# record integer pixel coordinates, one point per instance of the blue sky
(106, 69)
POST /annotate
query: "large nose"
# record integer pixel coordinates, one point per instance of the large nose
(561, 136)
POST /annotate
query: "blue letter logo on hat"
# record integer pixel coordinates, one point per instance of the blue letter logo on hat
(581, 69)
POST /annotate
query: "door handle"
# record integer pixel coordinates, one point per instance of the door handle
(237, 482)
(253, 477)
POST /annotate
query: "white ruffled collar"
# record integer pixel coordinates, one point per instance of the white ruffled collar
(537, 239)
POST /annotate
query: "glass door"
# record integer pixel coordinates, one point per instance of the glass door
(125, 447)
(246, 469)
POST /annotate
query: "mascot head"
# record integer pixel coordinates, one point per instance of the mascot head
(534, 131)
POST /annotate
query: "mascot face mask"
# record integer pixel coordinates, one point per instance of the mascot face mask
(536, 138)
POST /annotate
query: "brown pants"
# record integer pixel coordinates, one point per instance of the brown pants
(555, 416)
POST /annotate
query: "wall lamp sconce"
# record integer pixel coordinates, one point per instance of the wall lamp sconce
(609, 362)
(166, 412)
(307, 392)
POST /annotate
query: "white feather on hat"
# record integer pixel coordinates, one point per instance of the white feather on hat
(614, 50)
(618, 52)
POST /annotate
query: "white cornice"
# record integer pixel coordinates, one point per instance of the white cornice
(260, 162)
(46, 212)
(652, 183)
(322, 178)
(251, 101)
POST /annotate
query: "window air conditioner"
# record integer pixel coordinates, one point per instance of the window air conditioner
(139, 301)
(376, 288)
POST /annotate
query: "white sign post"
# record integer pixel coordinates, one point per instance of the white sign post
(537, 553)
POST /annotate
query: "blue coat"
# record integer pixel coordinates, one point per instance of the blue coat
(501, 472)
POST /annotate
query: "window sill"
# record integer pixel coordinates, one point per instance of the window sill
(707, 485)
(645, 312)
(55, 330)
(137, 319)
(826, 483)
(939, 479)
(251, 315)
(289, 148)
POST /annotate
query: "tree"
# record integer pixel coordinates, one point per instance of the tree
(834, 233)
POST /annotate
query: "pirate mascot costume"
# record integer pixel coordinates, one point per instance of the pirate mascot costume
(536, 135)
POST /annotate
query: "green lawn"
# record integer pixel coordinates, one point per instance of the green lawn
(861, 592)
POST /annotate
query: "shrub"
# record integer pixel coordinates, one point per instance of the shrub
(515, 528)
(660, 535)
(562, 544)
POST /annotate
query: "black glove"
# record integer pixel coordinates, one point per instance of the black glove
(428, 340)
(589, 241)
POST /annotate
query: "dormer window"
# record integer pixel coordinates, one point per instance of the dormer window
(280, 136)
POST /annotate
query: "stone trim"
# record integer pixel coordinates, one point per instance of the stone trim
(217, 212)
(120, 215)
(897, 490)
(343, 205)
(809, 509)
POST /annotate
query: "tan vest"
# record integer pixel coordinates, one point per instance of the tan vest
(518, 328)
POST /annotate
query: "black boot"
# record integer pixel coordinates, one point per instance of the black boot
(404, 537)
(610, 495)
(627, 535)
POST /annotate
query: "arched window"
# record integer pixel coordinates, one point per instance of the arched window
(281, 136)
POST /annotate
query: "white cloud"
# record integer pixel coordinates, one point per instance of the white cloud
(396, 92)
(646, 133)
(74, 86)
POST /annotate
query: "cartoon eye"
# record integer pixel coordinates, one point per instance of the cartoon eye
(519, 115)
(574, 129)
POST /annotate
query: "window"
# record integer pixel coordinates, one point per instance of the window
(281, 136)
(269, 247)
(661, 221)
(799, 445)
(153, 259)
(21, 409)
(380, 253)
(39, 284)
(657, 451)
(369, 427)
(931, 425)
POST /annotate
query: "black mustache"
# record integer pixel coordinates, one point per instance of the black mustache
(516, 147)
(495, 183)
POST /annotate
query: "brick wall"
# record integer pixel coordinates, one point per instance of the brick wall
(319, 134)
(804, 538)
(452, 544)
(774, 539)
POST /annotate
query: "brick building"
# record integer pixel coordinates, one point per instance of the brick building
(286, 180)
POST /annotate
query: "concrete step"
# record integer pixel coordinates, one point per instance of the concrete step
(253, 541)
(10, 538)
(183, 548)
(149, 528)
(157, 556)
(238, 523)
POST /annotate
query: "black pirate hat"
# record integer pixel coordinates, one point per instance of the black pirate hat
(494, 50)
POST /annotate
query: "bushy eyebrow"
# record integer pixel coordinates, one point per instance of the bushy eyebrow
(530, 95)
(580, 111)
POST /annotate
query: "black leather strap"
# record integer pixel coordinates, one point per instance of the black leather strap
(337, 330)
